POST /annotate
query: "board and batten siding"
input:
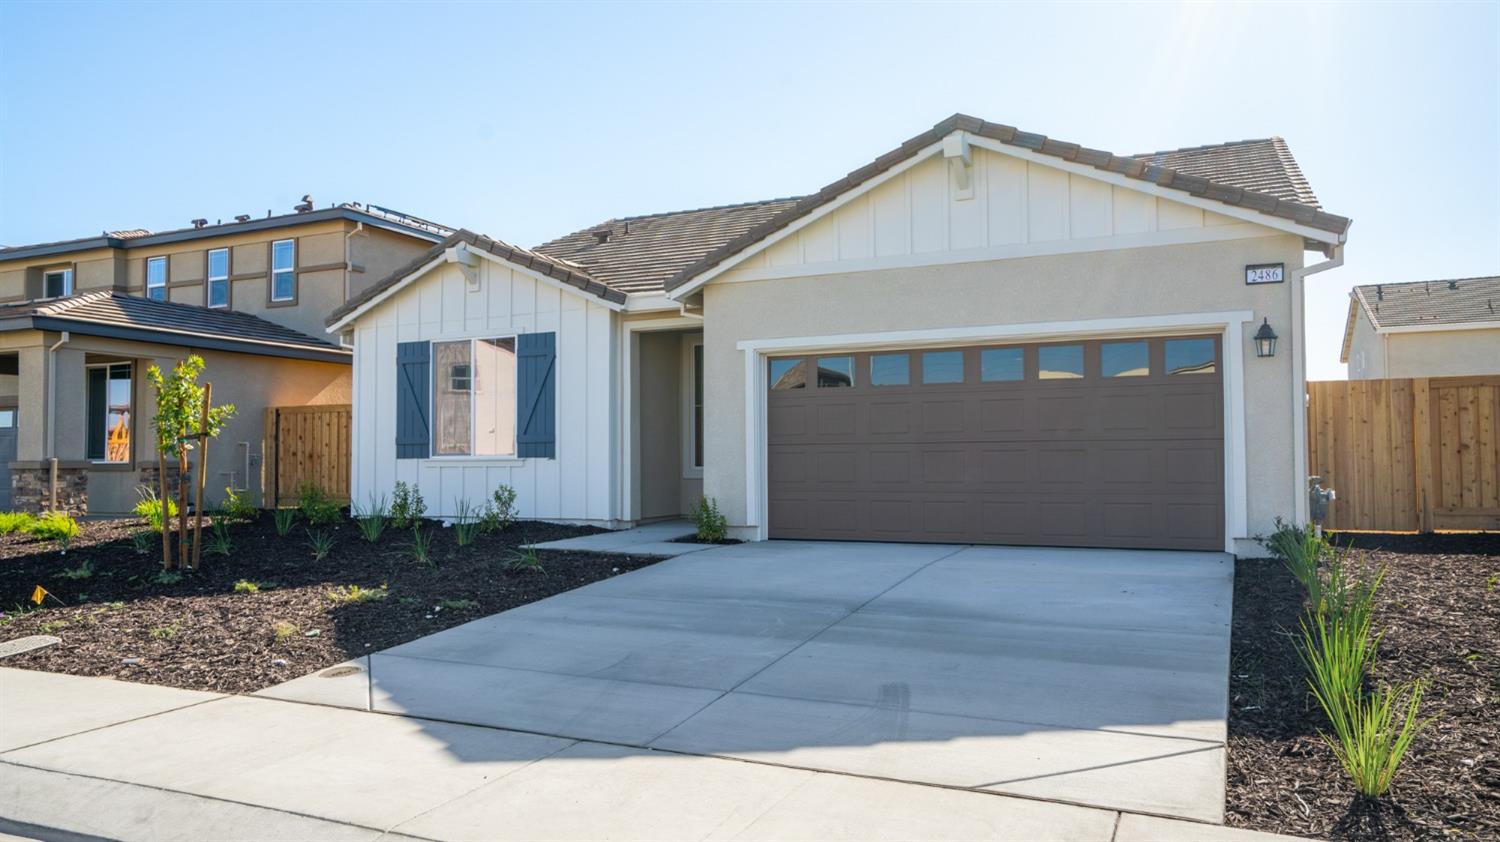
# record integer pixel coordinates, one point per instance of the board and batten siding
(1018, 209)
(577, 483)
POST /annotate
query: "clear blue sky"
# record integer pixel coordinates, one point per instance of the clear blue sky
(528, 121)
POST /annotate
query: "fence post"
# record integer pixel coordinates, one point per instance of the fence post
(1421, 446)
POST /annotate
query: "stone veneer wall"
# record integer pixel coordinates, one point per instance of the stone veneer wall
(148, 476)
(30, 489)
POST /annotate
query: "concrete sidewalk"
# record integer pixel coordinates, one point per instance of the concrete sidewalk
(102, 758)
(656, 539)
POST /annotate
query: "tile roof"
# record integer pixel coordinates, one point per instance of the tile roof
(1444, 302)
(1265, 166)
(560, 270)
(1130, 167)
(106, 312)
(642, 252)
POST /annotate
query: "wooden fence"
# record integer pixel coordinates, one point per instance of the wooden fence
(306, 444)
(1418, 454)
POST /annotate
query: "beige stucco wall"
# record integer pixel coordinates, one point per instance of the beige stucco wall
(1446, 353)
(377, 253)
(1203, 277)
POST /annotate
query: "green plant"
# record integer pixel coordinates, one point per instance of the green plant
(712, 525)
(1337, 653)
(458, 605)
(56, 526)
(421, 546)
(82, 571)
(1368, 738)
(149, 508)
(407, 506)
(317, 508)
(320, 541)
(465, 522)
(141, 542)
(220, 542)
(247, 587)
(371, 519)
(236, 507)
(53, 625)
(284, 519)
(357, 594)
(165, 632)
(499, 511)
(167, 577)
(1301, 549)
(525, 560)
(16, 522)
(283, 629)
(184, 419)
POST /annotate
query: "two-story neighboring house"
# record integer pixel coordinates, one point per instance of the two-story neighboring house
(1446, 328)
(81, 321)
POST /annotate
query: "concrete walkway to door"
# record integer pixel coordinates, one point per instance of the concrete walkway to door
(1095, 677)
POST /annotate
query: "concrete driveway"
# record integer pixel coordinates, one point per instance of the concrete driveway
(1096, 677)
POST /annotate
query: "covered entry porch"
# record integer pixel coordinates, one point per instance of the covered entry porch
(662, 397)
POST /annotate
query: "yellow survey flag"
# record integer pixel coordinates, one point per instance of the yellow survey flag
(39, 594)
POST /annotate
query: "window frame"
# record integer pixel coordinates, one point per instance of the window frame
(210, 279)
(515, 444)
(272, 272)
(67, 275)
(166, 276)
(109, 367)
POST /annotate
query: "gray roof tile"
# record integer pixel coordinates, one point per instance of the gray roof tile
(1446, 302)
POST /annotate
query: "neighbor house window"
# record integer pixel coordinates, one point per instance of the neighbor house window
(109, 412)
(156, 278)
(697, 406)
(218, 278)
(284, 270)
(474, 401)
(57, 283)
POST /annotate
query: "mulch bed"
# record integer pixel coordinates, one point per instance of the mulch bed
(1440, 610)
(198, 633)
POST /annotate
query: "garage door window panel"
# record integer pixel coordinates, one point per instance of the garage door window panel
(1060, 362)
(1125, 359)
(835, 372)
(1191, 357)
(942, 367)
(787, 375)
(890, 369)
(1002, 365)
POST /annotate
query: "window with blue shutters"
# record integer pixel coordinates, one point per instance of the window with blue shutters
(536, 393)
(413, 400)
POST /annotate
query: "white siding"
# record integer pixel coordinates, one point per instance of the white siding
(917, 215)
(573, 486)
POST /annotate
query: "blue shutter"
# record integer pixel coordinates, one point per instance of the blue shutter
(413, 400)
(536, 395)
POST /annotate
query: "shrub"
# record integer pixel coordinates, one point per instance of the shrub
(320, 541)
(357, 594)
(316, 507)
(247, 587)
(465, 522)
(372, 519)
(149, 508)
(500, 511)
(284, 519)
(712, 526)
(1337, 655)
(56, 526)
(407, 506)
(421, 545)
(16, 522)
(236, 507)
(526, 560)
(220, 542)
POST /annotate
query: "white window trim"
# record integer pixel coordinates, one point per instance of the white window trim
(515, 445)
(208, 289)
(689, 384)
(106, 367)
(1227, 324)
(67, 274)
(166, 276)
(291, 269)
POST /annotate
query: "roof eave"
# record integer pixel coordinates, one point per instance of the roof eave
(179, 338)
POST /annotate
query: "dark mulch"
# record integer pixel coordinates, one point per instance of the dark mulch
(1440, 610)
(199, 634)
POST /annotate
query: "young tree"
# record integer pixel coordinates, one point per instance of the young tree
(182, 417)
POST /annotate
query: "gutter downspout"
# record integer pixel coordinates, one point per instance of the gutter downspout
(359, 228)
(51, 421)
(1299, 379)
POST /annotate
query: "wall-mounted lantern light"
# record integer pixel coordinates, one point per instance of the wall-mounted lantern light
(1265, 340)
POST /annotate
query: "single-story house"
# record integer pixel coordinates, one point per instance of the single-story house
(1447, 328)
(982, 336)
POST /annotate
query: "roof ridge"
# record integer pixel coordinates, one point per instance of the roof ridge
(1389, 284)
(1207, 146)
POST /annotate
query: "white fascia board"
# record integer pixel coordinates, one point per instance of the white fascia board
(1436, 328)
(1168, 193)
(1120, 326)
(385, 294)
(843, 199)
(650, 302)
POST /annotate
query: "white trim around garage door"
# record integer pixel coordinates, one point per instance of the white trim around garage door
(1228, 324)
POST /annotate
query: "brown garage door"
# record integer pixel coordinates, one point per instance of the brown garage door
(1101, 443)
